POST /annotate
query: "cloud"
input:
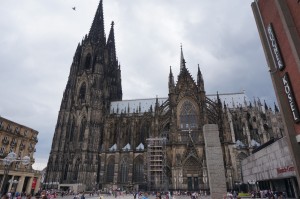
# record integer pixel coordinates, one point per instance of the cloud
(39, 38)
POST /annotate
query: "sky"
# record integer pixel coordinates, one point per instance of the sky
(38, 39)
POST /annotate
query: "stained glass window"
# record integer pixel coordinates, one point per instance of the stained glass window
(124, 171)
(188, 116)
(138, 174)
(110, 171)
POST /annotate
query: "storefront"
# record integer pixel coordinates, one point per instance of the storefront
(271, 168)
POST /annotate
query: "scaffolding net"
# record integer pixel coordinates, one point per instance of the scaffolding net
(156, 164)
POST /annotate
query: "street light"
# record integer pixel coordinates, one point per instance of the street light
(13, 184)
(10, 158)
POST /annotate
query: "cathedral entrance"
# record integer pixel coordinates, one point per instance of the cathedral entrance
(193, 184)
(191, 171)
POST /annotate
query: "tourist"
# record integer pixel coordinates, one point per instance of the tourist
(145, 196)
(4, 196)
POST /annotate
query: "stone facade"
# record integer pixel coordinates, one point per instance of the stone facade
(100, 140)
(21, 140)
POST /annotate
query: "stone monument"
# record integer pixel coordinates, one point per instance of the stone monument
(214, 160)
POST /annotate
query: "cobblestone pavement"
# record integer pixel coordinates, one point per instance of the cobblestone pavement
(128, 196)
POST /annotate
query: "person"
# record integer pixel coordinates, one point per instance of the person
(234, 194)
(82, 196)
(145, 196)
(4, 196)
(28, 196)
(158, 196)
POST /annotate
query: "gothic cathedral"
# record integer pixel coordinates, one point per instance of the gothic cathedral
(104, 142)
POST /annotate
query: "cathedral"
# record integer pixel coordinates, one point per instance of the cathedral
(105, 143)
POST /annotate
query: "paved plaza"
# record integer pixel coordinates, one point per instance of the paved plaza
(128, 196)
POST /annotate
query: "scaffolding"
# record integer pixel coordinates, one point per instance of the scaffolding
(156, 164)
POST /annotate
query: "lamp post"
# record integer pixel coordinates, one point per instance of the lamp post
(13, 185)
(10, 158)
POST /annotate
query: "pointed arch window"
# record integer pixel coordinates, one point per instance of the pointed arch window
(188, 116)
(124, 171)
(82, 93)
(138, 168)
(76, 170)
(88, 59)
(72, 129)
(82, 129)
(144, 134)
(66, 171)
(110, 170)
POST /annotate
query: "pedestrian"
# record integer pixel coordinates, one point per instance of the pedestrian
(4, 196)
(145, 196)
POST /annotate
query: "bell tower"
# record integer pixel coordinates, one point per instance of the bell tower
(94, 81)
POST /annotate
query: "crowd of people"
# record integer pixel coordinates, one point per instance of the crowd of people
(52, 194)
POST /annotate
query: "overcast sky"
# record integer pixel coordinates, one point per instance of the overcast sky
(38, 39)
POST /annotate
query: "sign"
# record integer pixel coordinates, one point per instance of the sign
(33, 183)
(285, 169)
(274, 48)
(290, 95)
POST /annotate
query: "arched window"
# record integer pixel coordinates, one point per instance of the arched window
(76, 170)
(144, 133)
(188, 116)
(82, 92)
(66, 171)
(82, 129)
(72, 129)
(88, 59)
(124, 171)
(138, 170)
(110, 170)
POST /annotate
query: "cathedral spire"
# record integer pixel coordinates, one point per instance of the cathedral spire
(171, 81)
(276, 108)
(200, 81)
(111, 45)
(182, 61)
(266, 106)
(96, 33)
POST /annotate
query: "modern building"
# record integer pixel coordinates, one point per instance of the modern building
(271, 167)
(278, 23)
(104, 142)
(21, 140)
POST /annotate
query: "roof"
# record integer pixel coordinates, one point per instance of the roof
(134, 105)
(143, 105)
